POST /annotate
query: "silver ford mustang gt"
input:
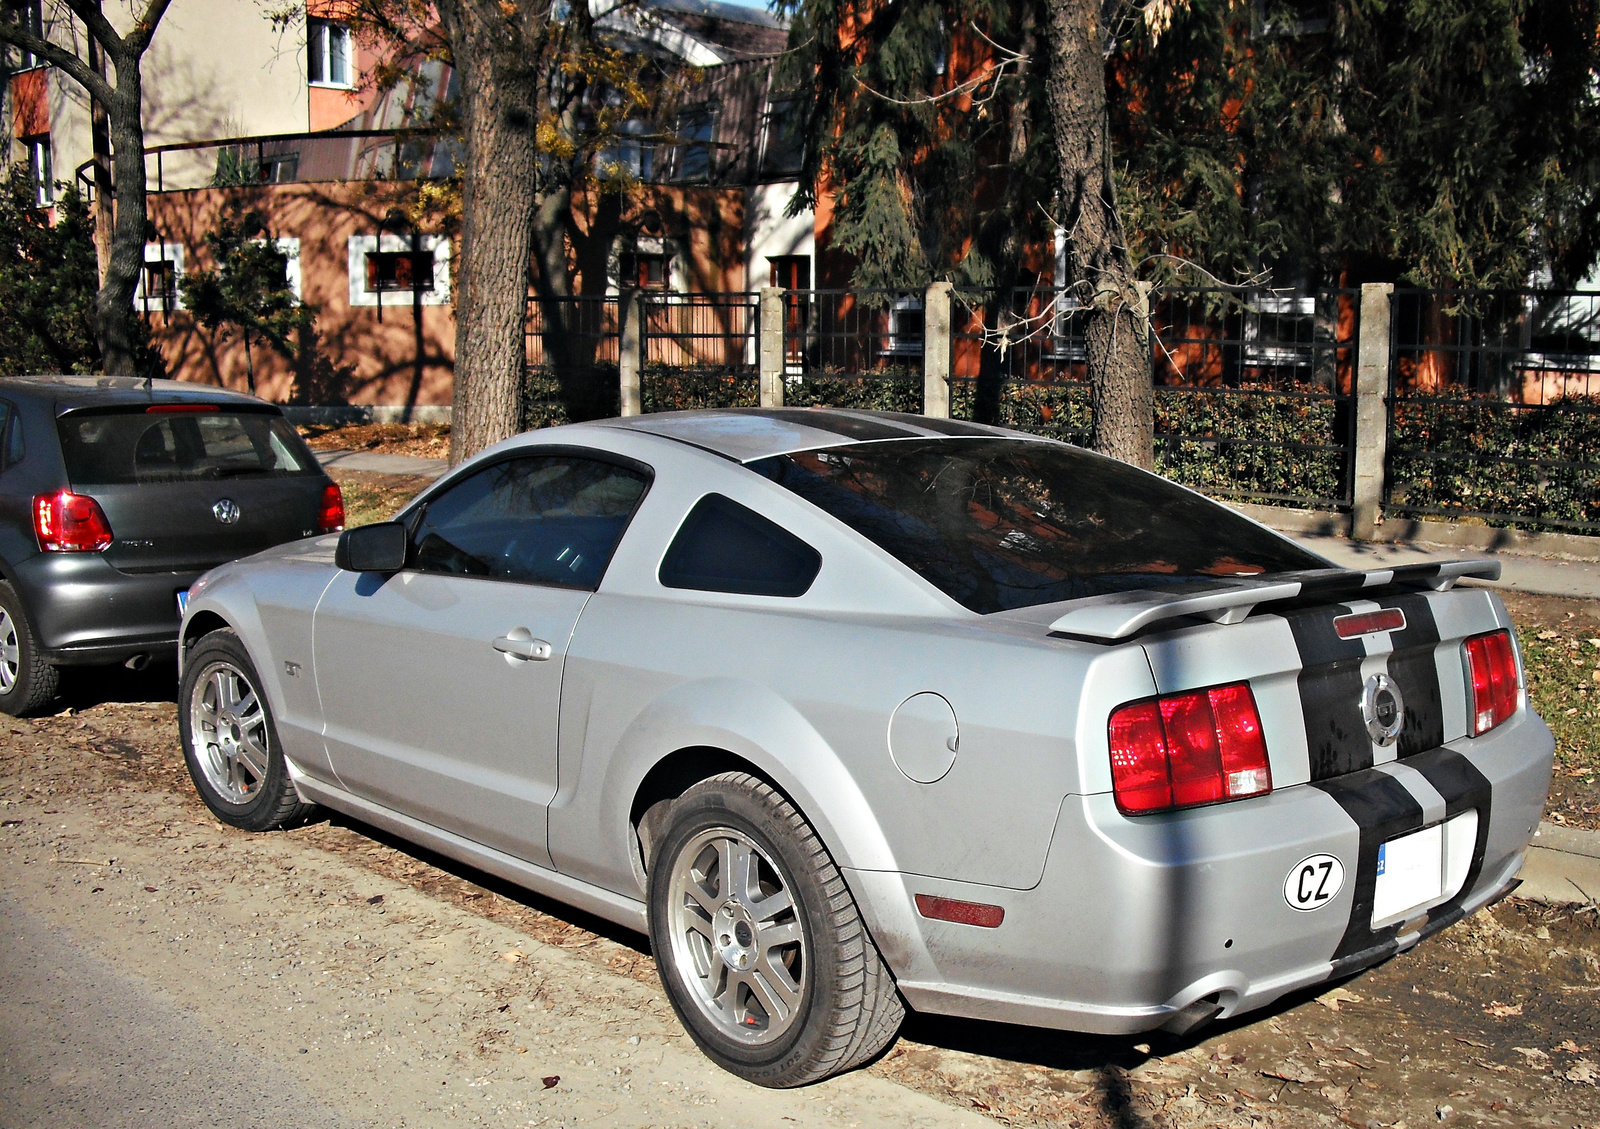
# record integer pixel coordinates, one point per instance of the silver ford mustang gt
(852, 711)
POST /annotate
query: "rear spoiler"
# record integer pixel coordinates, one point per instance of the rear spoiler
(1118, 615)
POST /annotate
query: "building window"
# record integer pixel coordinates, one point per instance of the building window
(397, 270)
(695, 129)
(328, 53)
(783, 150)
(40, 171)
(160, 286)
(637, 158)
(646, 272)
(289, 248)
(906, 322)
(31, 16)
(790, 272)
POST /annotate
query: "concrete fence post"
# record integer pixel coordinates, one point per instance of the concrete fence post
(630, 348)
(936, 334)
(1372, 413)
(770, 330)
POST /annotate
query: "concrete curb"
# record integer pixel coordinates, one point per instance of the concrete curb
(373, 463)
(1562, 865)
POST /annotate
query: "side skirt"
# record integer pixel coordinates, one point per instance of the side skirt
(613, 907)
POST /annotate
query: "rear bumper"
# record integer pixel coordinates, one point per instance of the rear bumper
(84, 611)
(1135, 920)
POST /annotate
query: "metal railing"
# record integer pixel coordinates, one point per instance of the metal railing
(1494, 408)
(698, 350)
(297, 158)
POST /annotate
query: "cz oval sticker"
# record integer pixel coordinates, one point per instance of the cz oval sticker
(1314, 882)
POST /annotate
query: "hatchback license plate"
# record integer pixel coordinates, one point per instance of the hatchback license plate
(183, 602)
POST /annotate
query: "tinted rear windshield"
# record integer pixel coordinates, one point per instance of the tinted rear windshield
(999, 523)
(114, 448)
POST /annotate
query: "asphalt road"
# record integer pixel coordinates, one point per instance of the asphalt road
(84, 1045)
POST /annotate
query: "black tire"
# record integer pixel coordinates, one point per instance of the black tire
(27, 682)
(233, 754)
(848, 1008)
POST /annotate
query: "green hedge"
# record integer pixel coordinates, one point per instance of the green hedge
(672, 390)
(1462, 455)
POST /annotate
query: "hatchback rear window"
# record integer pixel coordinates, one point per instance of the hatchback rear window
(115, 448)
(998, 523)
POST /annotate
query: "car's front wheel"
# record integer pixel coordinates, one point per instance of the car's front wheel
(229, 740)
(27, 681)
(759, 943)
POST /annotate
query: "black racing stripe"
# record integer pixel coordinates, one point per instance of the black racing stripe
(959, 427)
(1330, 693)
(1415, 672)
(840, 423)
(1382, 809)
(1464, 788)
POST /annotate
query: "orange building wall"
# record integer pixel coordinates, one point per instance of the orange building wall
(381, 356)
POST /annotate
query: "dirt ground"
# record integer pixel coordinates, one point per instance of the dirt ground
(1494, 1022)
(428, 440)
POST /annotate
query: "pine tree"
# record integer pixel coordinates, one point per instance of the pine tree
(48, 281)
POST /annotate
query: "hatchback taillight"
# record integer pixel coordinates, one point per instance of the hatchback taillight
(1492, 666)
(1182, 750)
(65, 522)
(330, 516)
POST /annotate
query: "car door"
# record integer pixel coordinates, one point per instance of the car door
(441, 684)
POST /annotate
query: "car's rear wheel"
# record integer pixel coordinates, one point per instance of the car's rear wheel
(229, 740)
(27, 682)
(758, 941)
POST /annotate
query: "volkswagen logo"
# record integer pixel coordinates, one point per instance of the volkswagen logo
(226, 511)
(1383, 709)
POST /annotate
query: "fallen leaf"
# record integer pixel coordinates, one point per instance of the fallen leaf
(1533, 1054)
(1502, 1011)
(149, 889)
(1571, 1048)
(1471, 1042)
(10, 823)
(1292, 1072)
(375, 900)
(1337, 996)
(1336, 1095)
(1547, 635)
(513, 956)
(550, 1080)
(1584, 1072)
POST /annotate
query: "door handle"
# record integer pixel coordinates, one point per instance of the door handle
(519, 643)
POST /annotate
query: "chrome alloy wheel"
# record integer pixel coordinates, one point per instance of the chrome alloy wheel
(737, 941)
(10, 652)
(228, 732)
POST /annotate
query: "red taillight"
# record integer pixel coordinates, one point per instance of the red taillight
(1492, 662)
(1181, 750)
(330, 516)
(65, 522)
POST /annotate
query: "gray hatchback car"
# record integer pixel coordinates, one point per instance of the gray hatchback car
(115, 494)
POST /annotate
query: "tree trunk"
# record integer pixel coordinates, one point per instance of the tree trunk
(499, 117)
(1117, 325)
(113, 306)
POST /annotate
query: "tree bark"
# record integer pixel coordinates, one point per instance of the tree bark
(499, 116)
(122, 100)
(1117, 325)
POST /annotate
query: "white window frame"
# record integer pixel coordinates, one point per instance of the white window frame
(41, 170)
(154, 253)
(898, 342)
(289, 247)
(363, 245)
(320, 36)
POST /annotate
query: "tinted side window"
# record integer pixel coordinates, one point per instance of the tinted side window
(552, 519)
(10, 436)
(724, 547)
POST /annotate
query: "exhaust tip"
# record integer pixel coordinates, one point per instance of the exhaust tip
(138, 662)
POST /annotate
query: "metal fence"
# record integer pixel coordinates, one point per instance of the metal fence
(698, 351)
(573, 349)
(1253, 388)
(1494, 409)
(853, 349)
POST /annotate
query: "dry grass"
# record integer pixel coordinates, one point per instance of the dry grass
(428, 440)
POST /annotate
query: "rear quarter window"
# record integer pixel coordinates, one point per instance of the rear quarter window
(120, 448)
(725, 547)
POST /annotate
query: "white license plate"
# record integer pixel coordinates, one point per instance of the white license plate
(183, 602)
(1423, 869)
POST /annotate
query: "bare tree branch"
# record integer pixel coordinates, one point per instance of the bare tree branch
(57, 56)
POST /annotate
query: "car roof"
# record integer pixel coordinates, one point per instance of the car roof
(747, 434)
(70, 392)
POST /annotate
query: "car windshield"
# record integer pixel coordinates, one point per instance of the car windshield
(1000, 523)
(183, 445)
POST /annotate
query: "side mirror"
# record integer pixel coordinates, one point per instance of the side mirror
(372, 548)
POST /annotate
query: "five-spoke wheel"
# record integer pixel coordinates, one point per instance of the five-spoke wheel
(229, 741)
(759, 943)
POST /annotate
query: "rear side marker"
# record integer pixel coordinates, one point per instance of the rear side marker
(960, 912)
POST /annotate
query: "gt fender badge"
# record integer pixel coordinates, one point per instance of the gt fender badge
(1313, 882)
